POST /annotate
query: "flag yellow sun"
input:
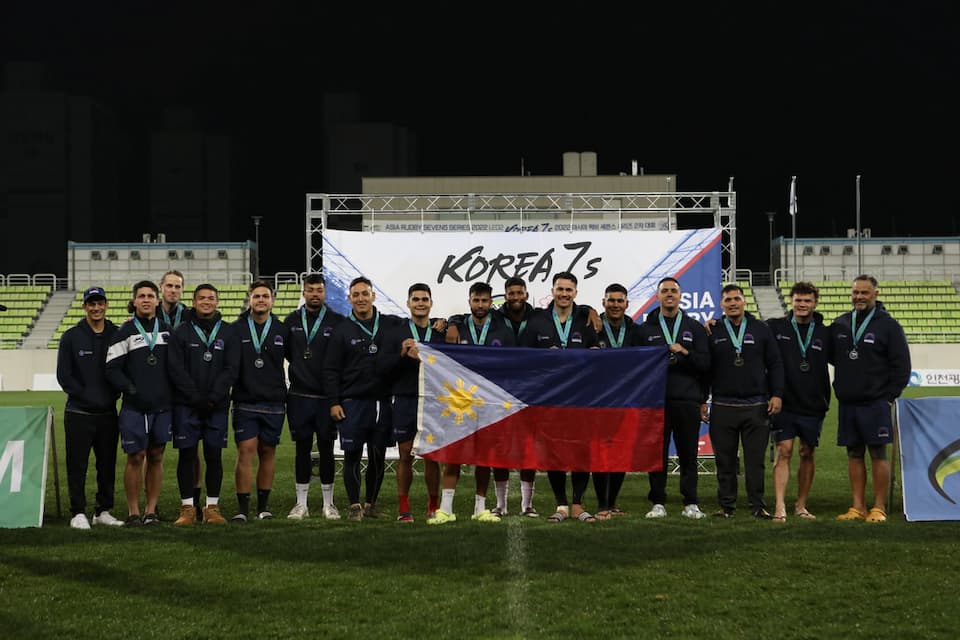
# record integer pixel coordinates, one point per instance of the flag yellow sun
(460, 401)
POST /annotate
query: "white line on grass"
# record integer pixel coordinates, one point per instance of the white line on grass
(518, 614)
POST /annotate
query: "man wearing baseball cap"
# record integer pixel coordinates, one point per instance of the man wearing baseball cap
(90, 415)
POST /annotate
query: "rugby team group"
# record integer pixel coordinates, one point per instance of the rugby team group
(181, 374)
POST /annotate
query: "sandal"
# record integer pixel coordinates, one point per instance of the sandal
(585, 516)
(559, 516)
(803, 513)
(604, 515)
(877, 515)
(852, 514)
(779, 517)
(617, 512)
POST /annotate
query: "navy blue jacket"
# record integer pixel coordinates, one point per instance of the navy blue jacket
(805, 392)
(81, 368)
(882, 367)
(146, 388)
(541, 332)
(349, 367)
(400, 374)
(266, 384)
(498, 334)
(198, 383)
(687, 377)
(306, 374)
(761, 375)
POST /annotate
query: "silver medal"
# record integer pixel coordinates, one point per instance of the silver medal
(151, 359)
(853, 354)
(373, 348)
(738, 361)
(804, 366)
(207, 356)
(258, 363)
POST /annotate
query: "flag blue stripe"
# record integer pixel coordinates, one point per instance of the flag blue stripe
(629, 377)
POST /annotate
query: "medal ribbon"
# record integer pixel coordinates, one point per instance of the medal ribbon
(151, 341)
(737, 340)
(176, 318)
(258, 341)
(203, 338)
(483, 333)
(564, 333)
(615, 342)
(858, 333)
(416, 335)
(803, 344)
(316, 323)
(671, 338)
(376, 325)
(523, 325)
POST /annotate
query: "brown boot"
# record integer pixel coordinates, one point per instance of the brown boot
(211, 515)
(188, 516)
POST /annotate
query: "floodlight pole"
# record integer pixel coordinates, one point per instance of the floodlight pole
(859, 256)
(256, 239)
(770, 216)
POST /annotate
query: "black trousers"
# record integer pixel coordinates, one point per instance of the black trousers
(100, 433)
(681, 420)
(729, 427)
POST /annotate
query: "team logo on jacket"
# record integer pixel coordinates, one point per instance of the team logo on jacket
(687, 336)
(82, 353)
(870, 338)
(748, 339)
(817, 344)
(576, 338)
(496, 343)
(327, 331)
(278, 341)
(218, 344)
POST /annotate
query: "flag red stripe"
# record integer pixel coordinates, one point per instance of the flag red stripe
(564, 438)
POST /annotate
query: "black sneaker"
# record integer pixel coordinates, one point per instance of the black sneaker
(723, 513)
(133, 520)
(762, 514)
(150, 519)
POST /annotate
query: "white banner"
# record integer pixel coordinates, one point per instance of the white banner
(935, 378)
(450, 262)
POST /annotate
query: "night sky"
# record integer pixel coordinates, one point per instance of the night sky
(708, 94)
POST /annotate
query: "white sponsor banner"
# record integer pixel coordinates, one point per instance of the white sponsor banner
(450, 263)
(935, 378)
(531, 225)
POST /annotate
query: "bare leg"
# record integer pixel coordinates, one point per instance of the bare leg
(154, 477)
(133, 480)
(805, 474)
(781, 476)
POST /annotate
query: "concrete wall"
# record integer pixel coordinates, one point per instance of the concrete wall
(18, 367)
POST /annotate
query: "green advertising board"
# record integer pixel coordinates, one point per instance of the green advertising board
(24, 441)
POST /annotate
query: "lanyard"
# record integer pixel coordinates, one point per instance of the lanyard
(563, 332)
(737, 340)
(376, 325)
(803, 344)
(416, 335)
(316, 323)
(151, 341)
(671, 338)
(258, 341)
(858, 333)
(523, 325)
(203, 338)
(617, 341)
(176, 318)
(483, 334)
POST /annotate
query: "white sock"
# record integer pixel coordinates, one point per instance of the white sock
(327, 490)
(446, 500)
(213, 500)
(502, 487)
(526, 494)
(302, 491)
(187, 502)
(479, 504)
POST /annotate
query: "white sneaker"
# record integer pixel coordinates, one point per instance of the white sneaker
(657, 512)
(299, 512)
(330, 512)
(79, 521)
(693, 512)
(107, 518)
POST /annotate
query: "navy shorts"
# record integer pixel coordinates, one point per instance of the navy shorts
(404, 418)
(263, 421)
(189, 428)
(138, 431)
(867, 424)
(365, 422)
(788, 426)
(307, 416)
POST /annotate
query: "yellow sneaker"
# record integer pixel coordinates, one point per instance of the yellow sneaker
(485, 516)
(442, 517)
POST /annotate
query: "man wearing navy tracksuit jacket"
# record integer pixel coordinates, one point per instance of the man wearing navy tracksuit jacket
(688, 354)
(746, 376)
(259, 398)
(90, 415)
(872, 367)
(137, 367)
(204, 359)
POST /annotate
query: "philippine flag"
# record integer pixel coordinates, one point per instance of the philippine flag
(548, 409)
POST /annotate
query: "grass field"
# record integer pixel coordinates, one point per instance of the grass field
(522, 578)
